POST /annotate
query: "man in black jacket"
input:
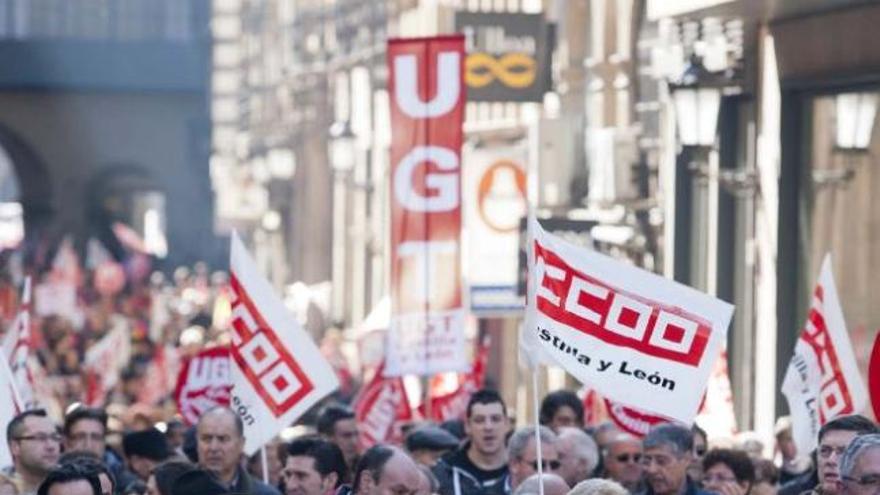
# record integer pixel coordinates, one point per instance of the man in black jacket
(480, 465)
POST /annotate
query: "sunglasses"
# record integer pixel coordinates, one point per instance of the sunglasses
(628, 458)
(545, 464)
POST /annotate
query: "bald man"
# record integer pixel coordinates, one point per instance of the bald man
(553, 485)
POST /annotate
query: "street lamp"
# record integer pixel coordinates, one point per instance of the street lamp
(696, 97)
(855, 120)
(342, 146)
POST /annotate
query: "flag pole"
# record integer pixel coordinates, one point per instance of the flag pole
(265, 464)
(540, 459)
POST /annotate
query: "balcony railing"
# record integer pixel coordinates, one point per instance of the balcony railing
(103, 20)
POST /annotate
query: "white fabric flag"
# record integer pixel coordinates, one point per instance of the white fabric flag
(278, 372)
(7, 411)
(822, 380)
(637, 338)
(17, 350)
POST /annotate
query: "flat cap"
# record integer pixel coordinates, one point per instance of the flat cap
(430, 438)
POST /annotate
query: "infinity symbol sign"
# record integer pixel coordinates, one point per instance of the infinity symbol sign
(515, 70)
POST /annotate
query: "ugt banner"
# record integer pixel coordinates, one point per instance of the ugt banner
(637, 338)
(204, 382)
(822, 380)
(278, 372)
(427, 107)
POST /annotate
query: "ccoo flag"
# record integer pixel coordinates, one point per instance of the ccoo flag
(637, 338)
(278, 372)
(822, 380)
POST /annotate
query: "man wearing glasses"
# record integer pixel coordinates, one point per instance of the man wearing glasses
(860, 466)
(834, 437)
(623, 461)
(522, 455)
(35, 445)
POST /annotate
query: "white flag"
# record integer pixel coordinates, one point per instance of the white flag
(278, 372)
(822, 380)
(7, 411)
(17, 351)
(637, 338)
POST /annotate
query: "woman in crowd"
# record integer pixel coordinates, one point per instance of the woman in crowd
(728, 472)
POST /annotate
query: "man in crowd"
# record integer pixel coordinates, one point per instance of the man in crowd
(70, 479)
(561, 409)
(91, 462)
(623, 461)
(35, 445)
(668, 451)
(143, 451)
(383, 470)
(578, 455)
(860, 466)
(553, 485)
(480, 465)
(427, 444)
(312, 466)
(220, 437)
(522, 455)
(834, 437)
(794, 464)
(337, 424)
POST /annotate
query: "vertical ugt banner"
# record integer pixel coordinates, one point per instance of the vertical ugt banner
(427, 107)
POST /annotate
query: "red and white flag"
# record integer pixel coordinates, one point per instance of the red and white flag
(426, 84)
(453, 405)
(17, 352)
(278, 372)
(7, 410)
(381, 408)
(204, 382)
(637, 338)
(105, 360)
(822, 380)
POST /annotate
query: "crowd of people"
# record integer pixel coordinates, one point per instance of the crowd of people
(480, 454)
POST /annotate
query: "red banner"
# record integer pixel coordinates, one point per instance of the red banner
(427, 109)
(874, 377)
(381, 408)
(204, 382)
(453, 405)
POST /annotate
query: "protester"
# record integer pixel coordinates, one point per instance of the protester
(668, 452)
(834, 437)
(766, 477)
(384, 469)
(70, 479)
(695, 471)
(220, 435)
(578, 455)
(143, 451)
(427, 444)
(522, 454)
(860, 466)
(598, 486)
(560, 409)
(91, 462)
(163, 476)
(35, 445)
(312, 466)
(337, 424)
(198, 481)
(604, 432)
(623, 461)
(480, 464)
(728, 472)
(274, 464)
(553, 485)
(792, 464)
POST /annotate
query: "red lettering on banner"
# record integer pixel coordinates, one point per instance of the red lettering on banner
(263, 359)
(617, 317)
(834, 395)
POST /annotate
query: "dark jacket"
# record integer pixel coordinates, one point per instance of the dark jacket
(250, 486)
(801, 484)
(691, 489)
(455, 476)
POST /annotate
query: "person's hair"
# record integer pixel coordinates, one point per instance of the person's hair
(765, 471)
(327, 456)
(532, 484)
(373, 461)
(66, 473)
(13, 429)
(89, 461)
(239, 424)
(485, 396)
(677, 437)
(80, 413)
(738, 461)
(555, 400)
(583, 446)
(853, 422)
(601, 428)
(696, 430)
(521, 437)
(331, 415)
(166, 473)
(855, 449)
(598, 486)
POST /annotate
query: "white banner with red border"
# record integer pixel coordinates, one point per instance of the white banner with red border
(637, 338)
(822, 380)
(278, 373)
